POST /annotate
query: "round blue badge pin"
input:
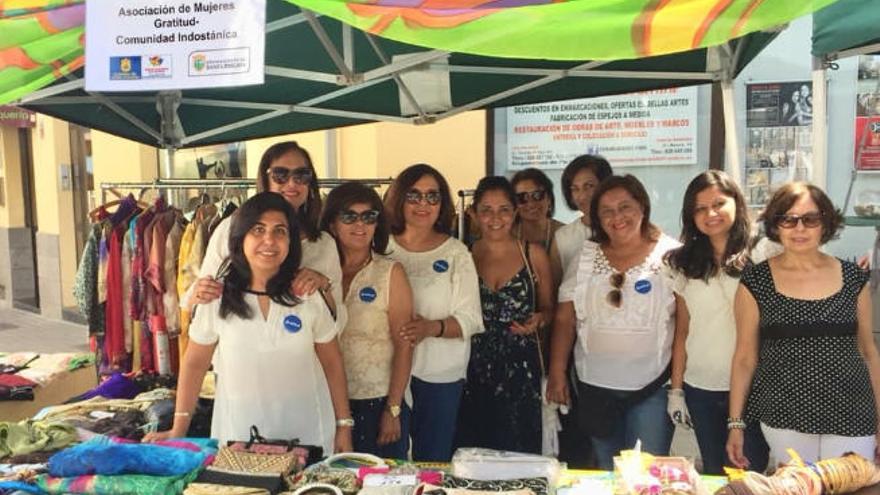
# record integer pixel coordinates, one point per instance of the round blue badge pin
(441, 266)
(367, 294)
(292, 323)
(642, 286)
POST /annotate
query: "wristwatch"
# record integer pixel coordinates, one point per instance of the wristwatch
(394, 410)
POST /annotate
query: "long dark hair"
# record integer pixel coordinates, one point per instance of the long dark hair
(396, 197)
(236, 271)
(309, 213)
(634, 187)
(695, 258)
(539, 178)
(342, 198)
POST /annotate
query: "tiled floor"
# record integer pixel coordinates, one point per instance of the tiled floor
(24, 331)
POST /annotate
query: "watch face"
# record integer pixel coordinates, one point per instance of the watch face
(394, 410)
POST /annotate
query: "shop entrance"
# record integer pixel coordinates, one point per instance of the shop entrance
(25, 289)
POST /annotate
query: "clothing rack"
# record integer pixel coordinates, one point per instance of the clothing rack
(238, 183)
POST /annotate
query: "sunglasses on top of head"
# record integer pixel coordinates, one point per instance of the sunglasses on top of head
(526, 196)
(280, 175)
(416, 197)
(810, 220)
(369, 217)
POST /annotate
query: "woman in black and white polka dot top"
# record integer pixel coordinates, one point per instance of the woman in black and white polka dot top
(805, 364)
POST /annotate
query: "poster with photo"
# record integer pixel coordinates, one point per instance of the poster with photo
(867, 135)
(779, 137)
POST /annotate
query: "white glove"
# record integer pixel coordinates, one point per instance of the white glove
(677, 409)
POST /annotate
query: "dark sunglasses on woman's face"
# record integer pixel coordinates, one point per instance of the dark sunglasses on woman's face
(416, 197)
(280, 175)
(810, 220)
(369, 217)
(536, 195)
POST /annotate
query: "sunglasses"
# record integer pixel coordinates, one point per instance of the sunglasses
(416, 197)
(369, 217)
(615, 296)
(810, 220)
(280, 175)
(536, 195)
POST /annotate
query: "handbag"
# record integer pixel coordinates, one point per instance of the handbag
(305, 454)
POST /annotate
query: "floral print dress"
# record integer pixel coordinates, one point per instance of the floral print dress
(501, 406)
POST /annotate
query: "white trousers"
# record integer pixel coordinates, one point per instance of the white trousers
(813, 448)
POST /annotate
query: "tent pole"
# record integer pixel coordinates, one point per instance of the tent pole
(819, 174)
(733, 164)
(168, 170)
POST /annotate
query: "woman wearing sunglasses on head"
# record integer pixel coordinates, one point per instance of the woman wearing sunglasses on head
(705, 271)
(618, 312)
(536, 203)
(285, 169)
(805, 364)
(378, 298)
(501, 407)
(278, 358)
(446, 298)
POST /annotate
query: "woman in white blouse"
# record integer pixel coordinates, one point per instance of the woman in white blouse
(618, 312)
(279, 362)
(286, 169)
(705, 271)
(446, 299)
(378, 298)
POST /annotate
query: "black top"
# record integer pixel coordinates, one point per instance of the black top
(810, 376)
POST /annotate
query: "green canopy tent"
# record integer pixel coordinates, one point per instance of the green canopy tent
(322, 73)
(844, 29)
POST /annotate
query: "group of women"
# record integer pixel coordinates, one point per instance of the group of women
(362, 324)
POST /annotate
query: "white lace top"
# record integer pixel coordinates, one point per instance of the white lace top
(628, 347)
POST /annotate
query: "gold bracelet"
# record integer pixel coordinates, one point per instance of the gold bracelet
(182, 413)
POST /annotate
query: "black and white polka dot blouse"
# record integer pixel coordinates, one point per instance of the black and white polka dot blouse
(810, 376)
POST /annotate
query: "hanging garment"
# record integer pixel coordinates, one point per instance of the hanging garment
(85, 286)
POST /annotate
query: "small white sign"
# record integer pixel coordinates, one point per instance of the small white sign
(149, 45)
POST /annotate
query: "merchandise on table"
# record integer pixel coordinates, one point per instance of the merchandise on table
(639, 473)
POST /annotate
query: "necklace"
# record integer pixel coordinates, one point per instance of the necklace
(257, 292)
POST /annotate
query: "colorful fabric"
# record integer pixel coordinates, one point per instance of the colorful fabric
(555, 29)
(43, 40)
(98, 456)
(30, 436)
(85, 285)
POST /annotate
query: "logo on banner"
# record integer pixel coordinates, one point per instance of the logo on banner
(125, 68)
(219, 62)
(292, 323)
(367, 294)
(199, 62)
(158, 66)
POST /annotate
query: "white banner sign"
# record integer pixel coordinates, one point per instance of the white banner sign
(648, 128)
(141, 45)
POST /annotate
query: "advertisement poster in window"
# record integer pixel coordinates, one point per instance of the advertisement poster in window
(867, 135)
(638, 129)
(779, 118)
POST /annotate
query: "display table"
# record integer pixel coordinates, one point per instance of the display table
(59, 389)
